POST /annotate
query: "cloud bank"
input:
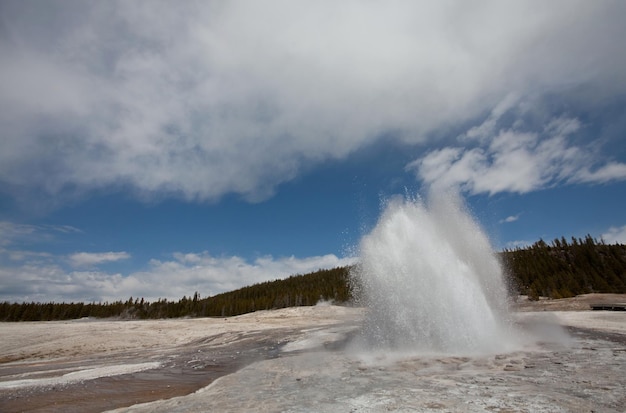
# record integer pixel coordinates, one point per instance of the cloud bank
(47, 279)
(202, 99)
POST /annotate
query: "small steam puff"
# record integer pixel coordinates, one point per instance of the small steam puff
(432, 282)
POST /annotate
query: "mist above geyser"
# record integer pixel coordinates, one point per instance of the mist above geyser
(431, 281)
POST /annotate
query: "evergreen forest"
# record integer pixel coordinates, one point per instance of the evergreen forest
(564, 269)
(557, 270)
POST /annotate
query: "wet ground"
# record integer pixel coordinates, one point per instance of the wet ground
(175, 372)
(305, 360)
(93, 365)
(585, 376)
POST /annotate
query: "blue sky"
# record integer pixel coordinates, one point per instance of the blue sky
(154, 150)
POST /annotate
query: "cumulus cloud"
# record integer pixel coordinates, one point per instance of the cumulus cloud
(515, 158)
(615, 235)
(184, 274)
(201, 99)
(88, 259)
(29, 275)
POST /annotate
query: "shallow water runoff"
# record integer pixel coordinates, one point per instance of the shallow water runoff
(431, 281)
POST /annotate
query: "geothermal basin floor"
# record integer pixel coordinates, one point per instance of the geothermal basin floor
(301, 360)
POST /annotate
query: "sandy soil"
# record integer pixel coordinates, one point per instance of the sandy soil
(301, 359)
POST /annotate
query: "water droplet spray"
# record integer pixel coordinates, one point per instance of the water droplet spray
(431, 281)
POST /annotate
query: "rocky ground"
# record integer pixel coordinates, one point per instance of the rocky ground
(302, 359)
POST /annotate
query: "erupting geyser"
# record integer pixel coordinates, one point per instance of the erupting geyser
(431, 281)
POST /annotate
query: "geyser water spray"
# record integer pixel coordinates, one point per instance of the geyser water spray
(431, 281)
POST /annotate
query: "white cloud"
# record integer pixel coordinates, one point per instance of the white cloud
(185, 274)
(87, 259)
(12, 233)
(612, 171)
(486, 129)
(510, 218)
(519, 244)
(200, 99)
(22, 255)
(211, 275)
(514, 160)
(9, 232)
(615, 235)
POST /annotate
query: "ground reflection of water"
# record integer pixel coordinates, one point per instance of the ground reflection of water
(182, 371)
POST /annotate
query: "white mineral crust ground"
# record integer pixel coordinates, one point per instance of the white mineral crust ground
(303, 360)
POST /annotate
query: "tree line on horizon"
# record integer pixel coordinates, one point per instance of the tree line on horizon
(296, 290)
(557, 270)
(564, 269)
